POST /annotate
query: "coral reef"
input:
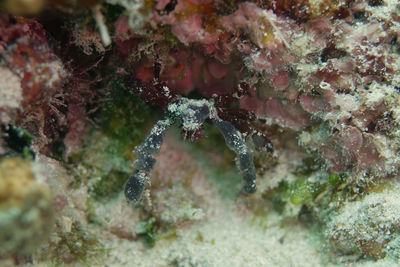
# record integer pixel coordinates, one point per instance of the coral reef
(26, 207)
(370, 225)
(305, 94)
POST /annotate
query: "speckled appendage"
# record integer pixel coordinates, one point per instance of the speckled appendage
(235, 142)
(145, 161)
(192, 113)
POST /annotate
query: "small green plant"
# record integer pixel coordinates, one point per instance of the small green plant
(146, 230)
(19, 140)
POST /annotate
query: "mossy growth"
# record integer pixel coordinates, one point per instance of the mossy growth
(107, 165)
(227, 181)
(76, 246)
(336, 179)
(19, 140)
(169, 37)
(123, 115)
(123, 119)
(302, 191)
(322, 131)
(108, 187)
(308, 166)
(149, 232)
(260, 217)
(91, 214)
(312, 187)
(145, 231)
(278, 196)
(310, 181)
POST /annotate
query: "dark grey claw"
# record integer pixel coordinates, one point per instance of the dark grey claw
(152, 143)
(249, 188)
(246, 160)
(235, 141)
(192, 113)
(249, 177)
(233, 137)
(145, 162)
(135, 186)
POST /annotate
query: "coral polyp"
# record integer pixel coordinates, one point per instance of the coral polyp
(192, 113)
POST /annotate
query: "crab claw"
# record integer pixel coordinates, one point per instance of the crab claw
(235, 141)
(135, 186)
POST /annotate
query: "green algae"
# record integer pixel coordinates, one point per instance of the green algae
(309, 165)
(303, 191)
(123, 119)
(149, 234)
(109, 186)
(336, 179)
(123, 115)
(76, 245)
(19, 140)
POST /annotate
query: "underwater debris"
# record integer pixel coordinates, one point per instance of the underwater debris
(193, 113)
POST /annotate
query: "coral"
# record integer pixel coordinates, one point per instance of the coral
(368, 225)
(10, 95)
(24, 7)
(26, 208)
(26, 53)
(138, 12)
(32, 7)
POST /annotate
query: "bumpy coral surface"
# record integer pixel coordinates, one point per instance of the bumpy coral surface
(26, 207)
(308, 89)
(370, 225)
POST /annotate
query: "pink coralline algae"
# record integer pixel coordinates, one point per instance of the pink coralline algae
(42, 95)
(326, 71)
(307, 67)
(25, 52)
(186, 71)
